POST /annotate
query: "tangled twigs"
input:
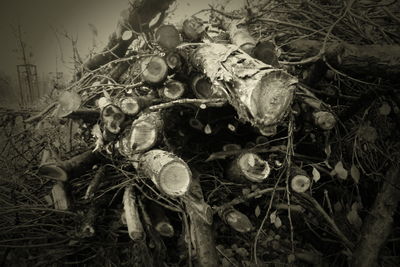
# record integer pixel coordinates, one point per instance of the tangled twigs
(329, 220)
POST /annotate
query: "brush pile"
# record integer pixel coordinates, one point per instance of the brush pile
(261, 137)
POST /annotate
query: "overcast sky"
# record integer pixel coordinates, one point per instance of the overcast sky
(39, 18)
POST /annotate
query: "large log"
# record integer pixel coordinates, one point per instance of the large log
(260, 94)
(136, 18)
(379, 223)
(371, 60)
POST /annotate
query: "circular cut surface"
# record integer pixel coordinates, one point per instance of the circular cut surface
(143, 136)
(174, 178)
(300, 183)
(253, 167)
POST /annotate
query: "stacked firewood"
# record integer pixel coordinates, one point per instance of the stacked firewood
(145, 103)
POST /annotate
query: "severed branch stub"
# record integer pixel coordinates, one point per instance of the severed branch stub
(236, 219)
(300, 182)
(169, 173)
(95, 182)
(203, 88)
(159, 219)
(133, 222)
(143, 134)
(248, 167)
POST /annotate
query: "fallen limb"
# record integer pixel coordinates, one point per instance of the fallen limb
(65, 170)
(201, 229)
(133, 222)
(371, 60)
(379, 222)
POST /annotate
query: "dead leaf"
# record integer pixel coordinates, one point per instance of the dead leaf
(353, 217)
(69, 101)
(316, 175)
(340, 171)
(385, 109)
(275, 219)
(355, 173)
(257, 211)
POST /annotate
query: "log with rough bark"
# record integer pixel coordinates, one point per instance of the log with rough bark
(379, 223)
(248, 167)
(132, 218)
(143, 134)
(65, 170)
(135, 19)
(364, 60)
(168, 172)
(202, 234)
(260, 94)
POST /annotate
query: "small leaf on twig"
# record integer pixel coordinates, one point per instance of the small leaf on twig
(257, 211)
(353, 217)
(355, 173)
(340, 171)
(275, 219)
(316, 175)
(385, 109)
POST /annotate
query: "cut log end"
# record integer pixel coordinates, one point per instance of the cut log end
(193, 29)
(172, 90)
(252, 167)
(53, 172)
(168, 37)
(174, 61)
(112, 117)
(175, 178)
(129, 106)
(168, 172)
(165, 229)
(237, 220)
(325, 120)
(300, 183)
(154, 69)
(203, 88)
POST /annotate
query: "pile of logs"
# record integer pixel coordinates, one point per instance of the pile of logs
(185, 68)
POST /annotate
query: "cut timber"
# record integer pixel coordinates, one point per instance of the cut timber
(363, 60)
(260, 94)
(168, 37)
(64, 170)
(159, 220)
(168, 172)
(144, 133)
(154, 69)
(136, 17)
(172, 90)
(135, 227)
(203, 88)
(60, 198)
(112, 117)
(248, 167)
(379, 223)
(266, 52)
(174, 61)
(193, 29)
(202, 234)
(237, 220)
